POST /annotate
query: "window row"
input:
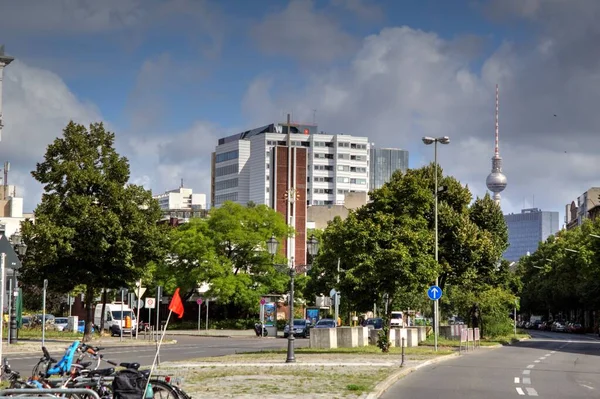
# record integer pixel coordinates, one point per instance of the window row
(351, 181)
(320, 179)
(227, 156)
(225, 184)
(352, 157)
(346, 168)
(353, 145)
(226, 170)
(219, 199)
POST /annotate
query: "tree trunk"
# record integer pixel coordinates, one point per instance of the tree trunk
(89, 314)
(103, 315)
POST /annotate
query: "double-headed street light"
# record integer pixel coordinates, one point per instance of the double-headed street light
(435, 141)
(20, 249)
(313, 248)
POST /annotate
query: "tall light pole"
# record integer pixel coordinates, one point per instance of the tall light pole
(313, 248)
(20, 249)
(435, 141)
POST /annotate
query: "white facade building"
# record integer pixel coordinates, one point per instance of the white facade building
(181, 199)
(336, 165)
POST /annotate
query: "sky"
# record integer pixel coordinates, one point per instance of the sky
(171, 77)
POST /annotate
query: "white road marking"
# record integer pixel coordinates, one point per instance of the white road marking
(520, 391)
(536, 361)
(544, 357)
(548, 354)
(527, 381)
(516, 380)
(526, 372)
(531, 366)
(586, 386)
(553, 352)
(531, 392)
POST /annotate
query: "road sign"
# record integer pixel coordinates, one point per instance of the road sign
(263, 301)
(150, 303)
(140, 291)
(434, 292)
(199, 301)
(332, 292)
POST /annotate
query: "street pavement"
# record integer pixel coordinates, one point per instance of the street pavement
(187, 347)
(550, 365)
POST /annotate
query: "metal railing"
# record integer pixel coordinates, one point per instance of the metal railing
(27, 393)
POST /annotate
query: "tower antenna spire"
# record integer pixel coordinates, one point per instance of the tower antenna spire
(496, 147)
(496, 181)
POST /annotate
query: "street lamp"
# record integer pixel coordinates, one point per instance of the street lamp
(313, 247)
(20, 249)
(435, 141)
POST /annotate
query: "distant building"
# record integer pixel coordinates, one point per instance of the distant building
(181, 204)
(383, 163)
(527, 229)
(587, 206)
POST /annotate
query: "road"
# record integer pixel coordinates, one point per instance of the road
(187, 347)
(550, 365)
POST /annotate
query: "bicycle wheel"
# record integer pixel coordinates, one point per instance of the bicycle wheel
(162, 390)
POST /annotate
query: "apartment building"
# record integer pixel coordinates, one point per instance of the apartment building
(181, 204)
(336, 164)
(587, 206)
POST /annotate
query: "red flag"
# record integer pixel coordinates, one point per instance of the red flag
(176, 306)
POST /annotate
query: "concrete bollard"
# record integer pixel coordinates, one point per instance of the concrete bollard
(401, 336)
(325, 338)
(347, 337)
(363, 336)
(412, 337)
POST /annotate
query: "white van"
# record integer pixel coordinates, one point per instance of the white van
(396, 320)
(113, 320)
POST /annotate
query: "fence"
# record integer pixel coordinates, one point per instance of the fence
(27, 393)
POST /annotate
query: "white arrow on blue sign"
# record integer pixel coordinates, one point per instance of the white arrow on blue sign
(434, 292)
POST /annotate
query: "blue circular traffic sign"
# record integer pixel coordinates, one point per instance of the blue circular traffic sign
(434, 292)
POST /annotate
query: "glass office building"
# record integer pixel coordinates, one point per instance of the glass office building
(384, 162)
(527, 229)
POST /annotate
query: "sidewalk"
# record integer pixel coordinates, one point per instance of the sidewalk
(216, 333)
(319, 375)
(56, 345)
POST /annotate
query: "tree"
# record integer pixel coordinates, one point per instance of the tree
(228, 251)
(92, 227)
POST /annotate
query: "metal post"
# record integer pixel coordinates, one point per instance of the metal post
(435, 303)
(403, 345)
(207, 302)
(44, 312)
(122, 321)
(150, 322)
(70, 299)
(13, 309)
(158, 297)
(199, 313)
(515, 320)
(137, 312)
(2, 293)
(290, 350)
(10, 312)
(337, 293)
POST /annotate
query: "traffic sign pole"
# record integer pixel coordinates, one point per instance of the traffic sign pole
(199, 302)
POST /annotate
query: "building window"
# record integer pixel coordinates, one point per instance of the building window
(358, 181)
(226, 170)
(344, 156)
(358, 158)
(358, 170)
(323, 167)
(219, 199)
(225, 184)
(343, 168)
(346, 145)
(343, 180)
(227, 156)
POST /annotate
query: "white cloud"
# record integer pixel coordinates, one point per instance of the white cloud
(405, 83)
(37, 106)
(304, 34)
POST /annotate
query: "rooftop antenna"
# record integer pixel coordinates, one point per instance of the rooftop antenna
(314, 116)
(181, 183)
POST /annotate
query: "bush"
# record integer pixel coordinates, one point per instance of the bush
(497, 327)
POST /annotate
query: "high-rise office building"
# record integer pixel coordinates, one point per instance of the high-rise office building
(383, 163)
(267, 166)
(527, 229)
(4, 61)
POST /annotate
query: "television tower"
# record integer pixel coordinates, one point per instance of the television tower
(496, 181)
(4, 61)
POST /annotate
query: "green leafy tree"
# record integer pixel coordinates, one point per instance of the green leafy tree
(228, 251)
(92, 227)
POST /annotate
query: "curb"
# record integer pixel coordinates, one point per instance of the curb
(388, 382)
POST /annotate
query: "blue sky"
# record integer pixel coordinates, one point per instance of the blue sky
(170, 77)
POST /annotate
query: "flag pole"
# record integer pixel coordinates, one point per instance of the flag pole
(159, 344)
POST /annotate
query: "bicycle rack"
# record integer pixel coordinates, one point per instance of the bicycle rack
(26, 393)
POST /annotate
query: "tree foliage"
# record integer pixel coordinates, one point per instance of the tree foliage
(387, 246)
(92, 227)
(228, 251)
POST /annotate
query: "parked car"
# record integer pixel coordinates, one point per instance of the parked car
(326, 323)
(301, 328)
(376, 323)
(81, 327)
(60, 323)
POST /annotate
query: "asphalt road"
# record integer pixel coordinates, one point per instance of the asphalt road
(550, 365)
(187, 347)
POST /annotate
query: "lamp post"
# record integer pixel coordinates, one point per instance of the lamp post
(20, 249)
(313, 248)
(435, 141)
